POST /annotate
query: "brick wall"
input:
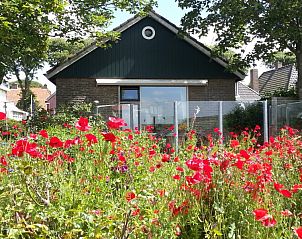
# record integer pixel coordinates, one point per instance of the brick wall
(86, 90)
(216, 90)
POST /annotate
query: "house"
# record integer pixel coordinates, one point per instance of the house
(246, 93)
(12, 112)
(151, 66)
(41, 94)
(280, 78)
(51, 103)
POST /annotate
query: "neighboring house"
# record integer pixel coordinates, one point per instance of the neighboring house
(151, 66)
(12, 112)
(246, 93)
(51, 102)
(280, 78)
(41, 95)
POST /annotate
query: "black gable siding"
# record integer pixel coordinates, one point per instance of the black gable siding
(164, 57)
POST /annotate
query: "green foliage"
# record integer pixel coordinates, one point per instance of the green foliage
(71, 183)
(285, 58)
(244, 117)
(59, 49)
(276, 24)
(25, 26)
(12, 129)
(230, 56)
(281, 93)
(33, 84)
(65, 115)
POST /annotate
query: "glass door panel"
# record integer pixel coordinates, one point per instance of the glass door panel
(130, 113)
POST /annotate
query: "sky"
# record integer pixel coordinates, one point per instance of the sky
(168, 9)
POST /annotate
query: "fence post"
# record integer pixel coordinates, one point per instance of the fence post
(274, 116)
(176, 125)
(265, 121)
(286, 115)
(131, 117)
(220, 119)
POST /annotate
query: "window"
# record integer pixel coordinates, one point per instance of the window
(130, 93)
(157, 105)
(148, 33)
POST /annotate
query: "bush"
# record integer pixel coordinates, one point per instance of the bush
(66, 115)
(244, 117)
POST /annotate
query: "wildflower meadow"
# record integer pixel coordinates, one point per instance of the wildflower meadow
(84, 181)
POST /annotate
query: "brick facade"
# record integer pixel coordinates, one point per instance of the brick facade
(86, 90)
(216, 90)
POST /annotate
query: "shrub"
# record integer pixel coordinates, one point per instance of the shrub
(244, 117)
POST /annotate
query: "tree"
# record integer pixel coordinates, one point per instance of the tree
(272, 25)
(285, 58)
(60, 49)
(26, 25)
(230, 56)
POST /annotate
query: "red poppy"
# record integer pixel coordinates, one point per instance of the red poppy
(91, 138)
(244, 154)
(2, 116)
(194, 164)
(296, 187)
(286, 213)
(278, 186)
(135, 212)
(196, 178)
(234, 143)
(260, 214)
(180, 169)
(298, 232)
(55, 142)
(109, 137)
(115, 123)
(83, 124)
(3, 161)
(176, 177)
(130, 196)
(269, 221)
(43, 133)
(165, 158)
(286, 193)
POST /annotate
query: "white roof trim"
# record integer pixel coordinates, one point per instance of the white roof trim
(153, 82)
(127, 25)
(4, 88)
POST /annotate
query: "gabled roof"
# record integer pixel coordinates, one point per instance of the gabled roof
(4, 87)
(163, 21)
(52, 95)
(246, 93)
(281, 78)
(41, 94)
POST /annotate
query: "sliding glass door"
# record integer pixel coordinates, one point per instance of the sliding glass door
(157, 106)
(152, 106)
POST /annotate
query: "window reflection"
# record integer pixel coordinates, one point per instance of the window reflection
(157, 106)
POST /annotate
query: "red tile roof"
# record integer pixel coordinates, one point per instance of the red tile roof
(41, 95)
